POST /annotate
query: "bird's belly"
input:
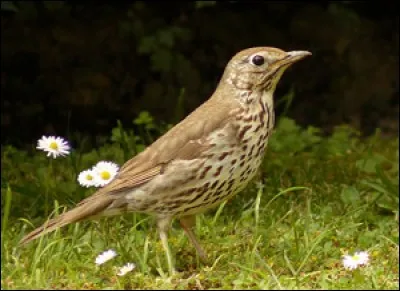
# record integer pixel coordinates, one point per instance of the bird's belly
(190, 187)
(224, 174)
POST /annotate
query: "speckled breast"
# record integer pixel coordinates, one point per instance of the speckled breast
(228, 168)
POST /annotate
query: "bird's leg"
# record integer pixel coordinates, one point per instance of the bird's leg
(187, 223)
(163, 226)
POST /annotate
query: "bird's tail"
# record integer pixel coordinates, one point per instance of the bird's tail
(82, 211)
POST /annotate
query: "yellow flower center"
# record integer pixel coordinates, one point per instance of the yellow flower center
(89, 177)
(105, 175)
(356, 257)
(53, 145)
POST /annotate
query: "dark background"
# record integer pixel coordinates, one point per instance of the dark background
(78, 67)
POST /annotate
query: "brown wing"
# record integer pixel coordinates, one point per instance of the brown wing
(186, 140)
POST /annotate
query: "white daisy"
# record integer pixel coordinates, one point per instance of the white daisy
(105, 256)
(358, 259)
(104, 173)
(363, 257)
(87, 178)
(126, 269)
(55, 146)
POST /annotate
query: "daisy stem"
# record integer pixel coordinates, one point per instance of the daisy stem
(357, 276)
(48, 186)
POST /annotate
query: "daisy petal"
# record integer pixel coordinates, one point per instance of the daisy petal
(363, 257)
(105, 256)
(126, 269)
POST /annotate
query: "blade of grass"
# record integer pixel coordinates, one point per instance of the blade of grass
(218, 213)
(4, 221)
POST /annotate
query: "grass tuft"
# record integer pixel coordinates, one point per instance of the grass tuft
(316, 199)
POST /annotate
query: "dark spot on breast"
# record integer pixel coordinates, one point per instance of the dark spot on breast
(243, 131)
(249, 159)
(258, 127)
(203, 174)
(230, 184)
(218, 194)
(223, 156)
(251, 150)
(233, 161)
(195, 198)
(205, 186)
(218, 171)
(208, 196)
(221, 185)
(214, 184)
(242, 164)
(215, 199)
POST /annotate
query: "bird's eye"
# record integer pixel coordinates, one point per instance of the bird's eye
(258, 60)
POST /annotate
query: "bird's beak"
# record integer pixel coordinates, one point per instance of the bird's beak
(299, 54)
(293, 56)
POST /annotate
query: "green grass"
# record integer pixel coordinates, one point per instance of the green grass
(316, 199)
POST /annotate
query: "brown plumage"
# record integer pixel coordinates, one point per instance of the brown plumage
(205, 159)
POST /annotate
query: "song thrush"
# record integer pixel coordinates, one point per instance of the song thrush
(205, 159)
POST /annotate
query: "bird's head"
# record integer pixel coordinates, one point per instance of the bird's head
(259, 68)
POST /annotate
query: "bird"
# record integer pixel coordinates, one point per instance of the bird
(205, 159)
